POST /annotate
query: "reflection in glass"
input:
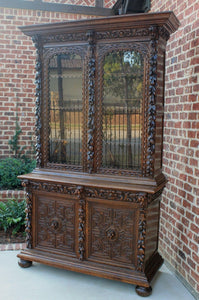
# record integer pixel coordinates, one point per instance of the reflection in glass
(122, 104)
(65, 89)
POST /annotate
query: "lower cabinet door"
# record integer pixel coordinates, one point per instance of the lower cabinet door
(55, 223)
(112, 232)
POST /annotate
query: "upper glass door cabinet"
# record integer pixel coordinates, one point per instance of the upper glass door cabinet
(65, 95)
(123, 77)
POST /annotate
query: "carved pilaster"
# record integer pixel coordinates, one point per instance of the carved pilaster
(28, 226)
(152, 103)
(81, 228)
(91, 100)
(38, 80)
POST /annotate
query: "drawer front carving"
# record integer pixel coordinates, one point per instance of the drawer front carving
(56, 223)
(112, 232)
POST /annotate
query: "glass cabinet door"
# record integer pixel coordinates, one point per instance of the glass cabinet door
(65, 93)
(123, 76)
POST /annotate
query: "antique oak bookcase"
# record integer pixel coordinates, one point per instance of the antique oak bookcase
(93, 200)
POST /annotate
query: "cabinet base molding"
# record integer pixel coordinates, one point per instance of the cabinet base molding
(140, 279)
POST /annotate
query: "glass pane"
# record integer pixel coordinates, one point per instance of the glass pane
(122, 107)
(65, 82)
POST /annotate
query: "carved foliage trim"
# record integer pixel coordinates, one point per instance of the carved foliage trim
(38, 81)
(91, 103)
(152, 103)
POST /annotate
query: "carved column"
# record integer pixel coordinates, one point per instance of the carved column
(38, 81)
(28, 226)
(82, 217)
(141, 233)
(91, 101)
(152, 103)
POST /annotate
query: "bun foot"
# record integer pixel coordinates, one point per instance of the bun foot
(143, 291)
(24, 263)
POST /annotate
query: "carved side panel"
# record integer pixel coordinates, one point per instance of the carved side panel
(55, 221)
(152, 221)
(112, 233)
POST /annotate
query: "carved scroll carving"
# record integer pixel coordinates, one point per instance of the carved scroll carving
(38, 80)
(28, 226)
(91, 108)
(127, 33)
(81, 228)
(65, 37)
(56, 188)
(113, 195)
(152, 103)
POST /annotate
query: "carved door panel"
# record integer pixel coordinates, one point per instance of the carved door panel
(55, 223)
(112, 234)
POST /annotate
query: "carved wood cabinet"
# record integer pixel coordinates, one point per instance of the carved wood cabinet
(93, 200)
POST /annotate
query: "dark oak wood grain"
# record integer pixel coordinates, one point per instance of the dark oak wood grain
(89, 217)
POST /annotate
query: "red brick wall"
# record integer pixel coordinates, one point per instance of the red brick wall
(17, 70)
(179, 231)
(17, 75)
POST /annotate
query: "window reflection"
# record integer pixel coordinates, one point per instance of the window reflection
(122, 104)
(65, 86)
